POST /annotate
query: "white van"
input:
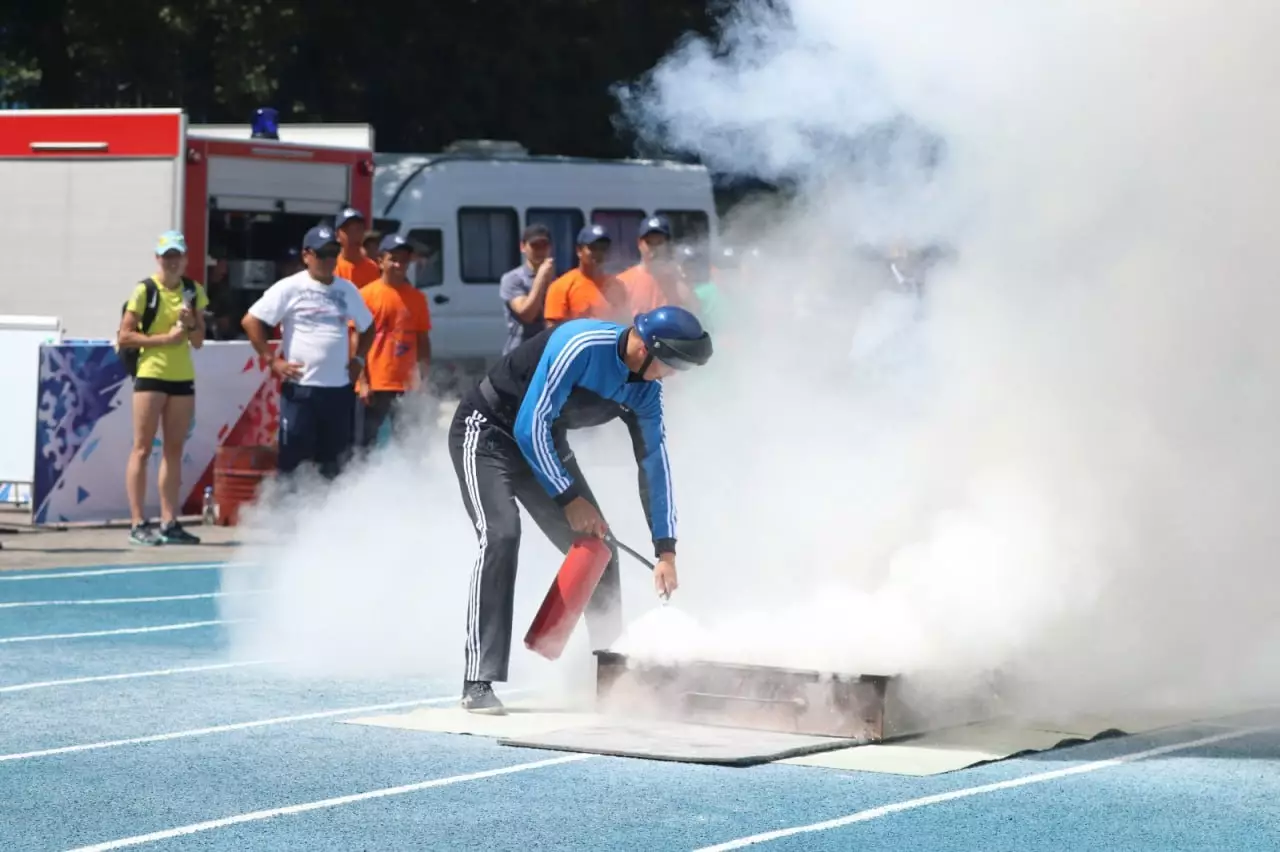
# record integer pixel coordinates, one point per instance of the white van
(465, 208)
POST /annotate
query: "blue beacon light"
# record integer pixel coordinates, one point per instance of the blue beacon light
(266, 123)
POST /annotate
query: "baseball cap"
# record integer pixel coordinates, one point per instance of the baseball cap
(319, 237)
(655, 225)
(690, 254)
(171, 241)
(593, 234)
(391, 242)
(535, 232)
(347, 214)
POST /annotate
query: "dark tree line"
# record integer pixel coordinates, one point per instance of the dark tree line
(423, 73)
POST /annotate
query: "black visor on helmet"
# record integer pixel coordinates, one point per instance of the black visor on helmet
(682, 354)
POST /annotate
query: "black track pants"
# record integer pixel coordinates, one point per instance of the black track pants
(493, 475)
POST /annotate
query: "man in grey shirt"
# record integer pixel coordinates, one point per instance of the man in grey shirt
(523, 289)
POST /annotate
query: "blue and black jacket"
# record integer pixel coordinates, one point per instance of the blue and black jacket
(573, 377)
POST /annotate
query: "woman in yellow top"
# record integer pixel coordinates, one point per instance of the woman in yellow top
(164, 388)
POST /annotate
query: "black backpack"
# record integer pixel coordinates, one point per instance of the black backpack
(129, 355)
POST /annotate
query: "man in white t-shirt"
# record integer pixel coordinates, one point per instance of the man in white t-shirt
(317, 400)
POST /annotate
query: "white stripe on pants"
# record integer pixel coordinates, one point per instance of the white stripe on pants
(475, 422)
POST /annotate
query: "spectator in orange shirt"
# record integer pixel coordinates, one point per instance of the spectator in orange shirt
(353, 264)
(588, 291)
(401, 350)
(656, 281)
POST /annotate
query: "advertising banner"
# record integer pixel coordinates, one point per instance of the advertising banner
(84, 427)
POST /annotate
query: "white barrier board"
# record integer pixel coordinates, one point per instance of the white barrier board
(20, 341)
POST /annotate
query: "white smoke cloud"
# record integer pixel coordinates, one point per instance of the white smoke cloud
(1065, 468)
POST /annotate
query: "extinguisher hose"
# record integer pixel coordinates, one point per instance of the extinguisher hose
(609, 539)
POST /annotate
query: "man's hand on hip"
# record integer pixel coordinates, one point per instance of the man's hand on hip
(288, 370)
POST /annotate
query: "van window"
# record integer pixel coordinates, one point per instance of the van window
(688, 226)
(488, 243)
(428, 264)
(624, 230)
(564, 224)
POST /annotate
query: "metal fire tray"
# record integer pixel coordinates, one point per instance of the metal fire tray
(855, 707)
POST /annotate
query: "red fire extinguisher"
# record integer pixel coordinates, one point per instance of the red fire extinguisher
(567, 598)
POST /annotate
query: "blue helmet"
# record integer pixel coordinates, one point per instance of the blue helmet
(675, 337)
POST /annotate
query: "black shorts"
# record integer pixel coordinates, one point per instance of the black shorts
(164, 386)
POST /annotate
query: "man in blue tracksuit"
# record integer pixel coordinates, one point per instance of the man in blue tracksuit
(508, 443)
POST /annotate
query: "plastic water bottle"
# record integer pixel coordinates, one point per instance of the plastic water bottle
(210, 512)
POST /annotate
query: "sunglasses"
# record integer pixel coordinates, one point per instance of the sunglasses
(327, 253)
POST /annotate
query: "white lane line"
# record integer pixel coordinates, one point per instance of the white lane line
(221, 729)
(337, 801)
(55, 574)
(105, 601)
(1026, 780)
(45, 684)
(160, 628)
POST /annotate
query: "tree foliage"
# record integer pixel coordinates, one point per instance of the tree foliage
(422, 73)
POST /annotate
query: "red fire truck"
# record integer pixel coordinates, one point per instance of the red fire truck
(89, 191)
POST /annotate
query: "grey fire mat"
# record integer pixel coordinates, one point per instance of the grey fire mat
(676, 741)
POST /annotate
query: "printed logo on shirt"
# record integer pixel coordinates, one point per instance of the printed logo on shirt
(323, 307)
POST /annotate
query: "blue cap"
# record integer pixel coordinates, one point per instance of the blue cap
(655, 225)
(347, 214)
(391, 242)
(171, 241)
(319, 237)
(593, 234)
(689, 254)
